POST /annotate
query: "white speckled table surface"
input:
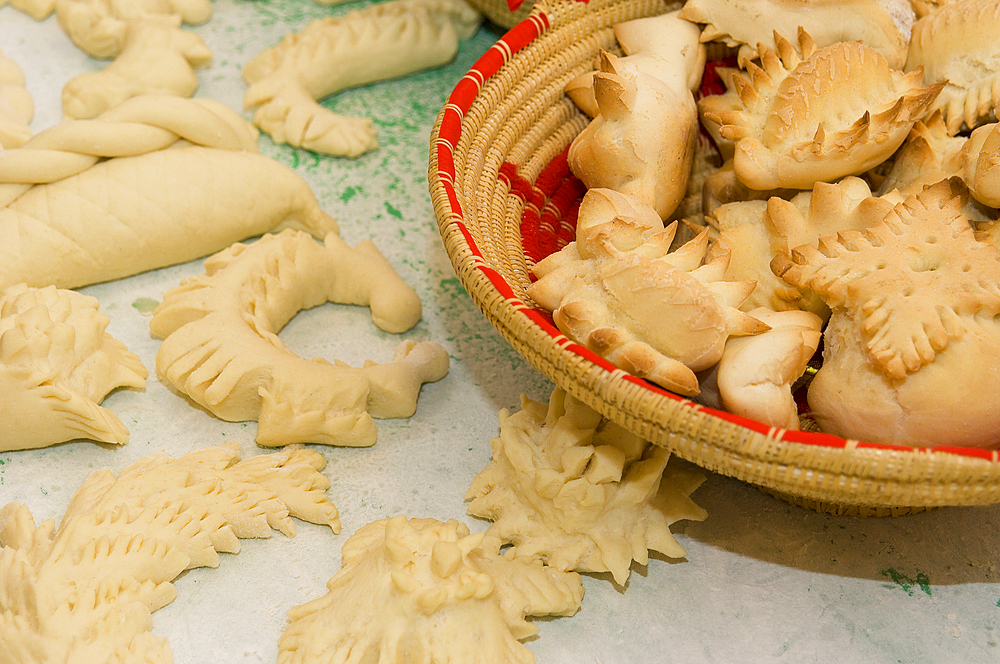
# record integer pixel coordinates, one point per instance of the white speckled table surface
(764, 581)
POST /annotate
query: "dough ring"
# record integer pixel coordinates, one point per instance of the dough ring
(222, 350)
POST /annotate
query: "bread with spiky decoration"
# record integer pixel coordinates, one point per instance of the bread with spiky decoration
(57, 363)
(642, 141)
(956, 46)
(883, 25)
(619, 290)
(568, 488)
(810, 115)
(753, 232)
(915, 302)
(422, 590)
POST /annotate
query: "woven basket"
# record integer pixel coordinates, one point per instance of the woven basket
(501, 193)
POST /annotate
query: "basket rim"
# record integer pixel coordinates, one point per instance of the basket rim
(471, 266)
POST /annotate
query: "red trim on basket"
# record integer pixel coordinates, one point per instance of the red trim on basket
(514, 5)
(554, 199)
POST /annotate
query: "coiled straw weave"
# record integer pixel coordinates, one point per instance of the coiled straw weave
(503, 125)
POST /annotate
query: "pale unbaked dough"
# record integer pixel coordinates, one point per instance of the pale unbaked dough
(153, 55)
(16, 106)
(72, 219)
(57, 363)
(422, 590)
(221, 346)
(386, 40)
(578, 492)
(618, 289)
(84, 592)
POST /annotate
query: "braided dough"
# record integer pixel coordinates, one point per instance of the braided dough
(423, 590)
(85, 591)
(70, 219)
(578, 492)
(221, 347)
(57, 364)
(386, 40)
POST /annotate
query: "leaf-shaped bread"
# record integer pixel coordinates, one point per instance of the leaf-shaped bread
(578, 492)
(57, 363)
(429, 589)
(85, 591)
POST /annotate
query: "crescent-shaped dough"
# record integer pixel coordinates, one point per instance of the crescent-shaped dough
(221, 346)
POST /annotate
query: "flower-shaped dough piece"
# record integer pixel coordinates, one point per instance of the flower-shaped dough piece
(818, 116)
(956, 47)
(90, 201)
(16, 106)
(221, 346)
(578, 492)
(642, 141)
(914, 303)
(57, 363)
(883, 25)
(617, 289)
(387, 40)
(423, 590)
(85, 591)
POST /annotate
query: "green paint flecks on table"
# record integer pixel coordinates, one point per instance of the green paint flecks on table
(145, 305)
(395, 212)
(909, 584)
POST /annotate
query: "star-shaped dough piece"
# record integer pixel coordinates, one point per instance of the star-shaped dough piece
(910, 282)
(423, 590)
(85, 591)
(578, 492)
(619, 290)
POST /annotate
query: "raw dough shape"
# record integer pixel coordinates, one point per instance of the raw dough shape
(57, 363)
(36, 9)
(423, 590)
(157, 58)
(578, 492)
(153, 55)
(914, 302)
(657, 314)
(386, 40)
(751, 233)
(221, 346)
(883, 25)
(956, 46)
(84, 592)
(144, 207)
(818, 116)
(756, 374)
(16, 106)
(642, 141)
